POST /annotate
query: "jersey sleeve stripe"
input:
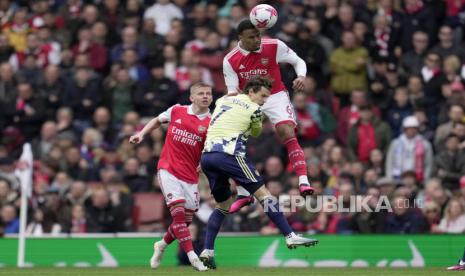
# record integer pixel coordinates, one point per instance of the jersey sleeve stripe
(245, 168)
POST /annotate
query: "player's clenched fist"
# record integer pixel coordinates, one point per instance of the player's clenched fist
(136, 139)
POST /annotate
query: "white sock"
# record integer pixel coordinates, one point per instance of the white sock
(291, 235)
(192, 256)
(241, 191)
(162, 244)
(303, 180)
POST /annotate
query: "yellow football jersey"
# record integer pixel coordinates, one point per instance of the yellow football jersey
(234, 120)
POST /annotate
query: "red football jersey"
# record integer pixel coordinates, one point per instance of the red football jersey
(184, 142)
(240, 65)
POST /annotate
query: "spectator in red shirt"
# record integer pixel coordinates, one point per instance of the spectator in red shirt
(367, 134)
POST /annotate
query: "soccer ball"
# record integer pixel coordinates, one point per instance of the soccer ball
(263, 16)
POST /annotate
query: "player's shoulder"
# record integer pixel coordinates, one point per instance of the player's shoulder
(269, 40)
(234, 52)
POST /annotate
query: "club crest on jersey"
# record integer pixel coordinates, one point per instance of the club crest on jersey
(264, 61)
(202, 129)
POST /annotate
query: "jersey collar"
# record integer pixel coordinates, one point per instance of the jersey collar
(245, 52)
(190, 111)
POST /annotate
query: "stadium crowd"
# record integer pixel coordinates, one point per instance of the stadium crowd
(382, 112)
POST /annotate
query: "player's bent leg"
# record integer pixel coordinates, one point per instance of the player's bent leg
(243, 199)
(272, 210)
(286, 132)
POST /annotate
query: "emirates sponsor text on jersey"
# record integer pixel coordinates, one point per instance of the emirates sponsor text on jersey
(185, 137)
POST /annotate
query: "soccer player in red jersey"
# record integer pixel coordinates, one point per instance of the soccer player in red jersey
(178, 172)
(255, 55)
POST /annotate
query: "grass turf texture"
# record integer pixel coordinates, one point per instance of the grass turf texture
(186, 271)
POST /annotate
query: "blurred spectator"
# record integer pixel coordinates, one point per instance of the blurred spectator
(417, 18)
(404, 219)
(432, 213)
(96, 51)
(348, 65)
(399, 110)
(9, 220)
(446, 46)
(7, 194)
(41, 224)
(121, 96)
(456, 114)
(308, 129)
(82, 95)
(410, 151)
(454, 218)
(27, 111)
(367, 134)
(162, 12)
(157, 94)
(103, 123)
(102, 215)
(50, 88)
(78, 223)
(412, 61)
(153, 41)
(132, 177)
(42, 145)
(450, 163)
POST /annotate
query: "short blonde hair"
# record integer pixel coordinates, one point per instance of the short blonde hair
(198, 85)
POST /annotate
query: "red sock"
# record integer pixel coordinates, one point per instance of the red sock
(296, 156)
(169, 236)
(179, 228)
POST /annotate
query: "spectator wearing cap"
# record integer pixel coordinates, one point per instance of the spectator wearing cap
(400, 109)
(454, 218)
(386, 186)
(348, 67)
(367, 134)
(450, 163)
(456, 114)
(412, 61)
(410, 151)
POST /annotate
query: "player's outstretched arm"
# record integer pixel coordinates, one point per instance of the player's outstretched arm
(151, 125)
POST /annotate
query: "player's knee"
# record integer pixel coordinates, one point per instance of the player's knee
(285, 131)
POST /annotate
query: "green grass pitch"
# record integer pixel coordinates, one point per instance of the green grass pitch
(186, 271)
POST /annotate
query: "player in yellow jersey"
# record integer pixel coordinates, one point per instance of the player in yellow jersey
(234, 120)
